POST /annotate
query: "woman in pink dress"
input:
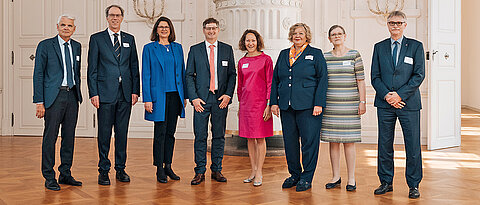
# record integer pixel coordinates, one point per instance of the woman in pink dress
(255, 71)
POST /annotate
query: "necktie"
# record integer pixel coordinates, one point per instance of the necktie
(394, 55)
(68, 65)
(116, 45)
(212, 68)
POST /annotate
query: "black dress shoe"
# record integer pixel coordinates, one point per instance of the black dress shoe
(161, 177)
(218, 176)
(169, 172)
(413, 193)
(52, 185)
(303, 185)
(334, 184)
(199, 178)
(351, 187)
(289, 183)
(69, 180)
(122, 176)
(103, 179)
(383, 188)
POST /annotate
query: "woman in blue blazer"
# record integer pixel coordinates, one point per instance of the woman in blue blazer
(163, 74)
(299, 87)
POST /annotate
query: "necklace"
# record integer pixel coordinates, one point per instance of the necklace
(166, 46)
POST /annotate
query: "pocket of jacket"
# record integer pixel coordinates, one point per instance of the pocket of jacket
(309, 84)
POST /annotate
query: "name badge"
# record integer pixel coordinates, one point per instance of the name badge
(245, 65)
(224, 63)
(78, 58)
(126, 45)
(408, 60)
(347, 63)
(309, 57)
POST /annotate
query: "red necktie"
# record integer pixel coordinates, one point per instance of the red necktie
(212, 68)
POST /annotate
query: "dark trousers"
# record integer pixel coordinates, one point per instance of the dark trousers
(218, 119)
(301, 124)
(64, 111)
(116, 115)
(164, 131)
(410, 122)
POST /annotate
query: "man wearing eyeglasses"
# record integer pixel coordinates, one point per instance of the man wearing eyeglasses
(114, 87)
(398, 70)
(210, 78)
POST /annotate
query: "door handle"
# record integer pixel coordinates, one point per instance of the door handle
(32, 57)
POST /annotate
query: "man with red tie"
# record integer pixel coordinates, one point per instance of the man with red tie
(210, 78)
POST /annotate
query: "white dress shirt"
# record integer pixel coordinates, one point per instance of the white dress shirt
(215, 53)
(62, 49)
(112, 37)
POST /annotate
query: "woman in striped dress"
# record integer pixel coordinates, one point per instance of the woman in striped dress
(345, 104)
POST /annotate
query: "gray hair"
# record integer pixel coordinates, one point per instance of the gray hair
(68, 16)
(397, 13)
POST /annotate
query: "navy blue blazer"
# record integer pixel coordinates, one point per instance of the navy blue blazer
(302, 85)
(405, 78)
(153, 78)
(48, 70)
(104, 69)
(198, 71)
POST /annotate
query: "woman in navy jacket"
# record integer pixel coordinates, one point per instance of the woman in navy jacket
(163, 74)
(299, 87)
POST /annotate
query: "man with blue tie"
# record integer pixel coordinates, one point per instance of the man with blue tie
(398, 70)
(56, 92)
(210, 77)
(114, 87)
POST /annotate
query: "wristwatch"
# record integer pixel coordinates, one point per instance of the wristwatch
(363, 102)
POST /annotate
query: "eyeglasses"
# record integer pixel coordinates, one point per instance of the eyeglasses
(163, 27)
(336, 35)
(210, 28)
(397, 23)
(114, 15)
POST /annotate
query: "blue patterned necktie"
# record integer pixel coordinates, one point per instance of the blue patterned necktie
(394, 55)
(68, 65)
(116, 45)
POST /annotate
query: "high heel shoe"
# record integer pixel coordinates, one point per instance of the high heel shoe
(333, 185)
(248, 180)
(258, 183)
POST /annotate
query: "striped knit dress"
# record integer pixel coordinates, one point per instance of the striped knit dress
(341, 122)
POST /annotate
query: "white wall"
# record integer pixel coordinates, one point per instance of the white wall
(470, 45)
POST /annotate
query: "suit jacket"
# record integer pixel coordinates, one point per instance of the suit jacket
(153, 78)
(302, 85)
(48, 70)
(104, 69)
(198, 71)
(405, 78)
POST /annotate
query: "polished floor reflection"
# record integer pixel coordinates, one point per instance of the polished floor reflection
(450, 176)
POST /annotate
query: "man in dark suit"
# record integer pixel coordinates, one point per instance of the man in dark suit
(56, 91)
(398, 69)
(114, 87)
(210, 78)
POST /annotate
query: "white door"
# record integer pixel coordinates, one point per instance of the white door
(444, 122)
(35, 20)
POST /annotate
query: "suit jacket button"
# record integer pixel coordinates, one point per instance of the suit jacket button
(290, 70)
(289, 77)
(289, 85)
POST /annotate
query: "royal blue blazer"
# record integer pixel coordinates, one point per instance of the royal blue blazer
(153, 79)
(302, 85)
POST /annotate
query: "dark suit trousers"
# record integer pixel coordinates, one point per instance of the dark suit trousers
(301, 124)
(64, 111)
(116, 115)
(410, 122)
(218, 118)
(164, 131)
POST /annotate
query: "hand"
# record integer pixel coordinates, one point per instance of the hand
(399, 105)
(317, 110)
(197, 104)
(393, 98)
(95, 101)
(362, 108)
(134, 99)
(149, 107)
(267, 113)
(40, 111)
(185, 101)
(275, 110)
(225, 99)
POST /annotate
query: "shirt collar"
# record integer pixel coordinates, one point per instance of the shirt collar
(208, 44)
(61, 41)
(399, 41)
(110, 32)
